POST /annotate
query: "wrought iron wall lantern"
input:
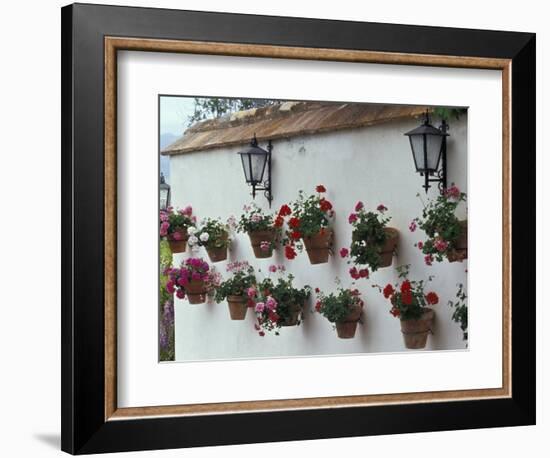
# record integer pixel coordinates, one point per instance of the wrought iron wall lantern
(255, 161)
(164, 193)
(429, 149)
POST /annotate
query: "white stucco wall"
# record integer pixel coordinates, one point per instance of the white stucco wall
(372, 164)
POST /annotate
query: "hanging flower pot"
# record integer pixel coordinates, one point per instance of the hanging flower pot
(388, 249)
(177, 240)
(237, 307)
(262, 229)
(236, 289)
(174, 227)
(372, 243)
(342, 308)
(193, 279)
(213, 235)
(346, 328)
(196, 291)
(292, 318)
(410, 304)
(278, 303)
(459, 252)
(308, 221)
(415, 331)
(318, 246)
(447, 236)
(262, 243)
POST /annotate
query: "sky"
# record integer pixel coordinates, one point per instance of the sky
(174, 114)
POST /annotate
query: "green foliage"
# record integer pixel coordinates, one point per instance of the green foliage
(215, 107)
(312, 213)
(217, 234)
(337, 306)
(440, 224)
(254, 219)
(284, 293)
(167, 353)
(448, 113)
(368, 238)
(460, 313)
(243, 277)
(408, 298)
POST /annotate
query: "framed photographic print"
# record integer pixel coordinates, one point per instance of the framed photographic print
(271, 222)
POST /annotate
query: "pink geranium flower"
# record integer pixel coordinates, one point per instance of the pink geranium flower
(352, 218)
(344, 252)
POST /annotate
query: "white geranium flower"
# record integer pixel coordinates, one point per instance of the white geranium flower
(193, 240)
(204, 237)
(191, 230)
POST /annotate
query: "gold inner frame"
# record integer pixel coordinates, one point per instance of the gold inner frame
(114, 44)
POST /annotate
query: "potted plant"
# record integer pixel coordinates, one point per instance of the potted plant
(342, 308)
(235, 289)
(410, 304)
(308, 225)
(191, 279)
(278, 303)
(174, 226)
(213, 235)
(261, 230)
(447, 235)
(373, 243)
(460, 312)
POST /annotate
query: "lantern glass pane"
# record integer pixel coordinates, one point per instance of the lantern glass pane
(417, 145)
(245, 158)
(258, 166)
(433, 145)
(163, 198)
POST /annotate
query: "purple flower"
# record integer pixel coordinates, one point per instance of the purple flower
(260, 306)
(180, 293)
(170, 287)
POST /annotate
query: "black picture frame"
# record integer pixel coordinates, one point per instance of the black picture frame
(84, 428)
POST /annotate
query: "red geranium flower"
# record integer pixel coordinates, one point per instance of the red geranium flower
(364, 273)
(296, 235)
(285, 210)
(318, 305)
(317, 290)
(344, 252)
(388, 291)
(279, 221)
(325, 205)
(290, 252)
(320, 188)
(420, 245)
(381, 208)
(405, 286)
(406, 297)
(354, 273)
(432, 298)
(294, 222)
(395, 312)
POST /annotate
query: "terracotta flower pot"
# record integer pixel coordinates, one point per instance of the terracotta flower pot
(256, 239)
(217, 254)
(196, 292)
(178, 246)
(386, 252)
(318, 246)
(415, 332)
(292, 319)
(347, 327)
(460, 251)
(237, 307)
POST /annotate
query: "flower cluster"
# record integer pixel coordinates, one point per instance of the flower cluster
(242, 278)
(367, 239)
(440, 224)
(337, 306)
(254, 219)
(277, 302)
(190, 270)
(408, 298)
(212, 233)
(175, 224)
(308, 217)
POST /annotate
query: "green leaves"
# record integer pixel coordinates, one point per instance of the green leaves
(367, 239)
